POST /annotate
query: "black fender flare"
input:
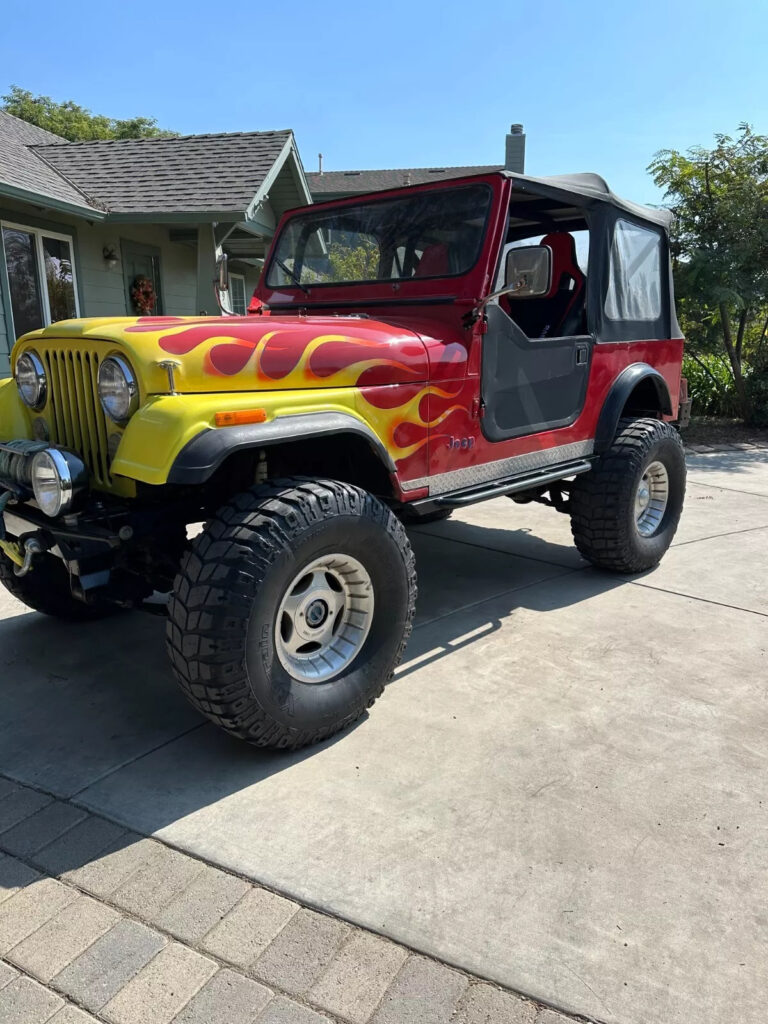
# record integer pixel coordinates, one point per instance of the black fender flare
(617, 398)
(199, 459)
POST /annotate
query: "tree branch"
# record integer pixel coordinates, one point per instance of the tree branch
(706, 369)
(759, 349)
(740, 333)
(738, 376)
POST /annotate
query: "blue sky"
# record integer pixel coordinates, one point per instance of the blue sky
(598, 86)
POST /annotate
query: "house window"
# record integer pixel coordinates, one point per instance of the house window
(41, 277)
(237, 294)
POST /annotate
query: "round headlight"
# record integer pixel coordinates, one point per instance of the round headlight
(31, 380)
(58, 478)
(118, 390)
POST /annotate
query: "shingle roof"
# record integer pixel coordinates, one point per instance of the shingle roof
(22, 169)
(333, 182)
(179, 175)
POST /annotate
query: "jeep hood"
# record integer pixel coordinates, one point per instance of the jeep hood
(252, 353)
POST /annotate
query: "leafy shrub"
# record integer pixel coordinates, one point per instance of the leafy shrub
(710, 386)
(757, 392)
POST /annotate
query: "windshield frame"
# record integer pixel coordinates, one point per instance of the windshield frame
(390, 283)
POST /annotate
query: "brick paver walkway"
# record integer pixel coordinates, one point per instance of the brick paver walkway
(101, 924)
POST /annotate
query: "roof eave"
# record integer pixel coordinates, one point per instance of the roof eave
(175, 216)
(50, 203)
(289, 150)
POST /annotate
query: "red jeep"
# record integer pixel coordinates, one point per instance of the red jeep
(409, 353)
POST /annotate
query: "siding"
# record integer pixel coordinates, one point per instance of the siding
(101, 290)
(5, 346)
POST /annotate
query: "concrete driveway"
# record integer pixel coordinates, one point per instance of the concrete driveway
(565, 789)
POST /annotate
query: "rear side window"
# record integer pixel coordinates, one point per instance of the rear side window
(634, 286)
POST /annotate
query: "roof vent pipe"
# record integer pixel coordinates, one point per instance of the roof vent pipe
(319, 163)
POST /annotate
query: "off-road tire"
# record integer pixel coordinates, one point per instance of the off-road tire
(46, 589)
(410, 518)
(222, 615)
(602, 501)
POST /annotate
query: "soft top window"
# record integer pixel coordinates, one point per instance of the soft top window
(424, 235)
(634, 283)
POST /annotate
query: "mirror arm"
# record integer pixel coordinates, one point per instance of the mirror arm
(474, 314)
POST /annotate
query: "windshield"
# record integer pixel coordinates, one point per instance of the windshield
(424, 235)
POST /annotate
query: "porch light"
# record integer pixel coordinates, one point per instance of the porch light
(110, 256)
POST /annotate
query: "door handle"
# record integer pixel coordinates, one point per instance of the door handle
(582, 354)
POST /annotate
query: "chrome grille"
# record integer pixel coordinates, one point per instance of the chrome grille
(74, 414)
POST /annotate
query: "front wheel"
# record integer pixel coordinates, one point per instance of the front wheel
(625, 511)
(292, 610)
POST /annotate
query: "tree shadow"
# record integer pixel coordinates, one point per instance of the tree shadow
(737, 461)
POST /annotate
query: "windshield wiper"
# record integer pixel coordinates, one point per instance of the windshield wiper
(287, 270)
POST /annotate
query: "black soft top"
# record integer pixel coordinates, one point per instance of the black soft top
(584, 190)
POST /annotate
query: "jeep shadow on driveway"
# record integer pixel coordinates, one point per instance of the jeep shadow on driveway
(409, 353)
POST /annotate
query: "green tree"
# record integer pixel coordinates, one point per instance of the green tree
(354, 264)
(719, 197)
(75, 123)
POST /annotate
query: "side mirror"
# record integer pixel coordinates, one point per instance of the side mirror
(528, 272)
(527, 275)
(222, 273)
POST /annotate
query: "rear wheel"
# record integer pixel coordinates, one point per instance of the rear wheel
(625, 511)
(292, 610)
(46, 589)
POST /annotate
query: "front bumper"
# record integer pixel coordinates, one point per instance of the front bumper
(87, 544)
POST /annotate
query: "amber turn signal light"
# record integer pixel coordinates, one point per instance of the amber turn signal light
(235, 419)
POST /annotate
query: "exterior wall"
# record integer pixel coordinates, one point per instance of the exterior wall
(101, 291)
(102, 287)
(5, 344)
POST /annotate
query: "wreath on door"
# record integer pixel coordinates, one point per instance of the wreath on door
(143, 295)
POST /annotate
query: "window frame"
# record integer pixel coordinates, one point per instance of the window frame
(240, 277)
(372, 200)
(38, 234)
(608, 331)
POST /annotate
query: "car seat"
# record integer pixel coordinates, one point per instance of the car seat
(433, 262)
(561, 312)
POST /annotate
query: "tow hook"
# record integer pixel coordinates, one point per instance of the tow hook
(32, 548)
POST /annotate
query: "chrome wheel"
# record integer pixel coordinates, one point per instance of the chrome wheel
(324, 618)
(651, 499)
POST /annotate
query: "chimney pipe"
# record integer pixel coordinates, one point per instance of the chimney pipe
(514, 157)
(319, 163)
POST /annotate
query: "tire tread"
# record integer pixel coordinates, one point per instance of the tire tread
(600, 528)
(210, 607)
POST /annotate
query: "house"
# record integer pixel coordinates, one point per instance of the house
(326, 185)
(80, 222)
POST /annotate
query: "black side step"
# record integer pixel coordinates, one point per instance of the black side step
(519, 483)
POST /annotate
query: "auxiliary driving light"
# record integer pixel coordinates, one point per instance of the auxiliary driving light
(58, 479)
